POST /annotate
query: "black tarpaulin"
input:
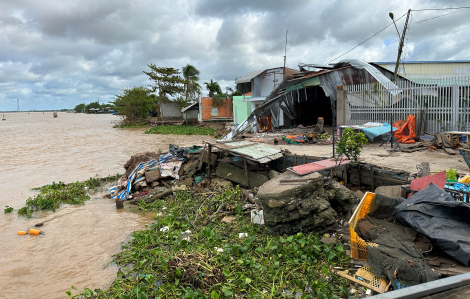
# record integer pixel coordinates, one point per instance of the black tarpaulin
(444, 221)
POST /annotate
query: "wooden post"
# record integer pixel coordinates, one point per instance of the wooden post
(247, 177)
(119, 203)
(295, 159)
(202, 158)
(209, 151)
(305, 160)
(372, 177)
(320, 123)
(284, 162)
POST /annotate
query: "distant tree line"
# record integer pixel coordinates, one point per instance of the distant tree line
(84, 107)
(168, 84)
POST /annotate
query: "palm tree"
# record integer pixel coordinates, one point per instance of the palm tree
(191, 76)
(213, 88)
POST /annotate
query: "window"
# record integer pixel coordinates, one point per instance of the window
(215, 112)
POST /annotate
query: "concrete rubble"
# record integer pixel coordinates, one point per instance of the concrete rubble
(290, 208)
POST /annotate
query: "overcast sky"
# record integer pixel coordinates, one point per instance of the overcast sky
(58, 53)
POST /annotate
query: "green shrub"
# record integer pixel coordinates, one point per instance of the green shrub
(180, 130)
(350, 144)
(7, 209)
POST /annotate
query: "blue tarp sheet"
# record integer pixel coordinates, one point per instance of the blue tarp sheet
(373, 132)
(131, 178)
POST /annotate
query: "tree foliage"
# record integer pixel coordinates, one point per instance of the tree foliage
(213, 88)
(168, 83)
(94, 105)
(191, 86)
(133, 104)
(218, 99)
(79, 108)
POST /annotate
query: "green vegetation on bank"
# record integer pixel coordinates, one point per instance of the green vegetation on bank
(190, 253)
(180, 130)
(50, 197)
(131, 126)
(8, 209)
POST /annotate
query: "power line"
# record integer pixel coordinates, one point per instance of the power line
(447, 8)
(436, 17)
(367, 39)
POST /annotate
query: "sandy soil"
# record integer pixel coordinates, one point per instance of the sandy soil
(438, 160)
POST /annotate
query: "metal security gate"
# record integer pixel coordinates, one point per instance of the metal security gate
(438, 104)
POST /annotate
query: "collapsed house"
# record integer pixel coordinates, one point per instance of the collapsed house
(307, 95)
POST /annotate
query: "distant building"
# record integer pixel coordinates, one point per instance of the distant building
(426, 71)
(171, 109)
(191, 112)
(255, 87)
(210, 113)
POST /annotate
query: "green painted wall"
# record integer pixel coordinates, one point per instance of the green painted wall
(241, 109)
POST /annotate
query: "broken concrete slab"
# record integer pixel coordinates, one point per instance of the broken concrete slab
(328, 241)
(391, 191)
(272, 174)
(187, 181)
(359, 194)
(237, 175)
(343, 198)
(152, 176)
(228, 219)
(190, 165)
(292, 208)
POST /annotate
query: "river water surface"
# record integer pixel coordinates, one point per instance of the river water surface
(78, 241)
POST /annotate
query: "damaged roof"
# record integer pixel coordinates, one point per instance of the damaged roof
(247, 78)
(346, 72)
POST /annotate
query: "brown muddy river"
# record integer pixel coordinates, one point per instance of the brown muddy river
(78, 241)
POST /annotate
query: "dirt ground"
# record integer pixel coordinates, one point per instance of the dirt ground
(438, 160)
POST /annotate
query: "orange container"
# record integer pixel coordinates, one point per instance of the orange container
(358, 245)
(21, 232)
(33, 231)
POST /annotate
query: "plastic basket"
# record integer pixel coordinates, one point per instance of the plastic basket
(358, 245)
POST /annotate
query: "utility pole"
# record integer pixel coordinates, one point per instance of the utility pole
(402, 41)
(285, 55)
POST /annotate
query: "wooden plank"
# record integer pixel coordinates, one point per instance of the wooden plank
(295, 180)
(202, 158)
(450, 151)
(209, 154)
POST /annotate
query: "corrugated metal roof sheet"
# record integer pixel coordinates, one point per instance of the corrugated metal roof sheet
(258, 152)
(247, 78)
(190, 106)
(418, 61)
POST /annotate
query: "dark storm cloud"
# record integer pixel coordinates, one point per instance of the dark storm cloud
(57, 54)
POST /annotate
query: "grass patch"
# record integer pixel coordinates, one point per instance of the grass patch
(189, 253)
(8, 209)
(51, 196)
(132, 126)
(181, 130)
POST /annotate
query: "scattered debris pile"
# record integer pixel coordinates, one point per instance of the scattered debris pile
(403, 240)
